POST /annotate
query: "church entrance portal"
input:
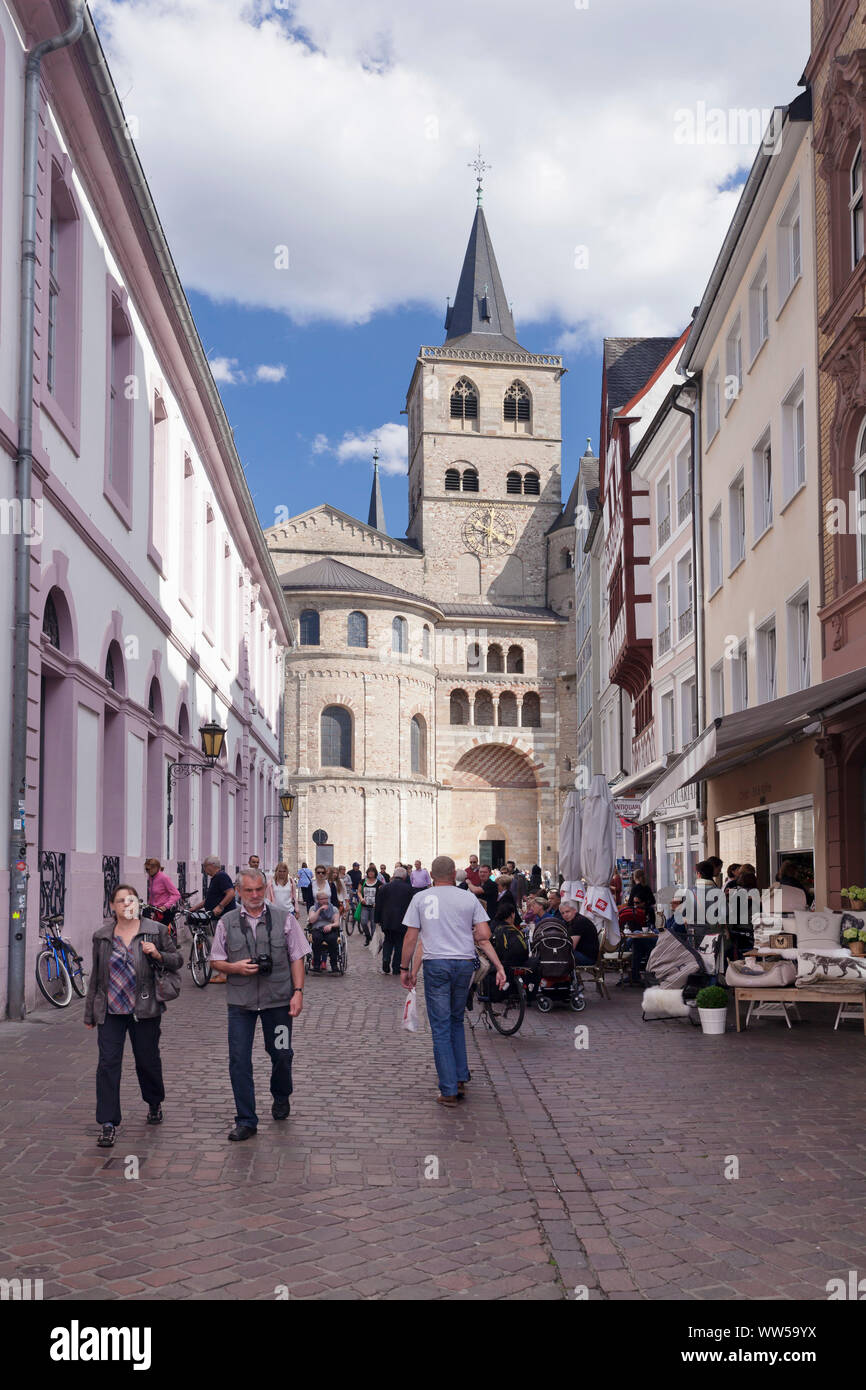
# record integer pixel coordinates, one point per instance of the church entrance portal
(491, 852)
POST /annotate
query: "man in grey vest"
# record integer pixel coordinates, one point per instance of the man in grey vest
(260, 948)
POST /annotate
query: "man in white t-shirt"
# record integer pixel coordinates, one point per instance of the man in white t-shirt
(452, 925)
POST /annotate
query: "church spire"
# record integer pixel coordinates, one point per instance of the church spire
(376, 517)
(480, 317)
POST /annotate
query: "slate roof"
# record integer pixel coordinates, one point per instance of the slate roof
(328, 575)
(588, 471)
(376, 517)
(496, 610)
(629, 363)
(480, 318)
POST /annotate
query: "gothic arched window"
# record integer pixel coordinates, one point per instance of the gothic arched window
(452, 480)
(514, 483)
(495, 662)
(470, 480)
(336, 737)
(514, 661)
(459, 707)
(357, 630)
(464, 401)
(399, 636)
(419, 744)
(309, 628)
(531, 711)
(517, 403)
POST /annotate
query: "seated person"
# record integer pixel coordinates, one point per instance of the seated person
(509, 942)
(324, 921)
(583, 933)
(553, 901)
(641, 904)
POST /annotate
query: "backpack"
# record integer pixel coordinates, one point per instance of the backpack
(509, 943)
(551, 947)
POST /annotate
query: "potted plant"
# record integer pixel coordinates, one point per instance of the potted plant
(856, 939)
(712, 1004)
(856, 897)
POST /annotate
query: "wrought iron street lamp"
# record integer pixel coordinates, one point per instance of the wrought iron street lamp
(287, 801)
(212, 739)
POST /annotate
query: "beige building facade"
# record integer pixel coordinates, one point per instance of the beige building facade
(430, 701)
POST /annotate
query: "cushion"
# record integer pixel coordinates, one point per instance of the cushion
(814, 930)
(664, 1003)
(824, 967)
(750, 975)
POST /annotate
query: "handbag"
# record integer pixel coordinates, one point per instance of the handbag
(166, 983)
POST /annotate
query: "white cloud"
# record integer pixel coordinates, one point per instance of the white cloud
(320, 444)
(392, 441)
(272, 374)
(349, 146)
(226, 371)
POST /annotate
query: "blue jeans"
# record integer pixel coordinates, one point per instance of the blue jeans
(242, 1032)
(446, 985)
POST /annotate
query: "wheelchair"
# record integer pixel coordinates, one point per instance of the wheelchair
(342, 952)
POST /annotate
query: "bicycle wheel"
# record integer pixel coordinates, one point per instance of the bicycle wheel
(507, 1014)
(350, 924)
(52, 977)
(76, 972)
(198, 962)
(344, 956)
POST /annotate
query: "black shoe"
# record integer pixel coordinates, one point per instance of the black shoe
(241, 1132)
(281, 1109)
(154, 1115)
(106, 1138)
(386, 970)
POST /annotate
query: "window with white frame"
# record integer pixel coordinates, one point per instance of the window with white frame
(762, 486)
(766, 654)
(790, 246)
(759, 310)
(734, 363)
(740, 677)
(855, 206)
(737, 520)
(663, 608)
(793, 442)
(799, 657)
(717, 690)
(713, 403)
(860, 495)
(714, 546)
(668, 731)
(689, 711)
(685, 606)
(684, 484)
(663, 510)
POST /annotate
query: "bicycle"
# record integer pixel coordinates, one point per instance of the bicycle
(200, 924)
(507, 1010)
(59, 967)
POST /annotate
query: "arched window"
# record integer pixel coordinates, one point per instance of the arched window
(567, 559)
(484, 707)
(50, 623)
(357, 630)
(154, 700)
(468, 575)
(336, 737)
(514, 660)
(309, 628)
(855, 205)
(473, 657)
(531, 711)
(183, 724)
(494, 658)
(514, 483)
(508, 710)
(452, 479)
(470, 480)
(425, 643)
(399, 636)
(516, 405)
(114, 672)
(531, 486)
(459, 707)
(419, 744)
(464, 401)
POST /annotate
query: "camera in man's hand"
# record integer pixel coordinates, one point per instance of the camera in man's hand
(265, 964)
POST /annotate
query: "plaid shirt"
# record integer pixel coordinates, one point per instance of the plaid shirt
(121, 979)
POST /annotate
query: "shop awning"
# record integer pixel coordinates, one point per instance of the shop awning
(738, 738)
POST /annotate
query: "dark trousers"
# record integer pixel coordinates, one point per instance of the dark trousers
(144, 1036)
(392, 951)
(242, 1032)
(641, 950)
(325, 941)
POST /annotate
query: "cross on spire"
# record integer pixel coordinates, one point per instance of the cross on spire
(480, 167)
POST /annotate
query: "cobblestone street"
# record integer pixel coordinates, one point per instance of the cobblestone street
(600, 1169)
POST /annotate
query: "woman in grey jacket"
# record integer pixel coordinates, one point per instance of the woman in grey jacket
(122, 998)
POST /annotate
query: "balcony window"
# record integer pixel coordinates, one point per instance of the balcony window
(684, 485)
(766, 644)
(762, 474)
(663, 510)
(663, 604)
(759, 310)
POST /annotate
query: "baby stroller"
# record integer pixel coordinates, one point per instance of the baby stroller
(552, 962)
(675, 972)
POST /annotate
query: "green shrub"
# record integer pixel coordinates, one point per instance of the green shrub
(713, 997)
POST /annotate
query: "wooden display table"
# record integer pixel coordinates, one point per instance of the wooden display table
(796, 996)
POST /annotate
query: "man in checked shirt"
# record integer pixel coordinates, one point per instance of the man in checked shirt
(260, 948)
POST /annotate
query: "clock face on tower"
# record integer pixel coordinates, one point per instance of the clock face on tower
(487, 531)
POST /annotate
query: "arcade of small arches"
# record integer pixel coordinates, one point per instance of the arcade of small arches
(516, 404)
(507, 709)
(517, 484)
(496, 663)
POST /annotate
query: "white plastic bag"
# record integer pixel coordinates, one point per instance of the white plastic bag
(410, 1012)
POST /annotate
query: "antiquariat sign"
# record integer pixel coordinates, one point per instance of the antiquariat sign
(627, 808)
(681, 802)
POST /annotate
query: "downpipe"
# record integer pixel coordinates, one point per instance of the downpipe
(18, 872)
